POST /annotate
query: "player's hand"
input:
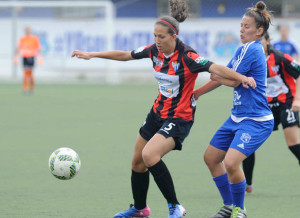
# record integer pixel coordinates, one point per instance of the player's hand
(16, 60)
(40, 59)
(248, 81)
(81, 54)
(197, 94)
(296, 106)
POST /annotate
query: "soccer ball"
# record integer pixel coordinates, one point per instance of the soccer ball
(64, 163)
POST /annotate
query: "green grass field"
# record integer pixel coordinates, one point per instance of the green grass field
(101, 122)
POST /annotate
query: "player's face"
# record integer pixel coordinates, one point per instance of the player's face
(165, 42)
(248, 30)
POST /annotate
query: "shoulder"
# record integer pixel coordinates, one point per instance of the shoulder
(184, 48)
(276, 52)
(276, 42)
(143, 48)
(251, 48)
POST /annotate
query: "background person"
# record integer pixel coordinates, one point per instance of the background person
(28, 48)
(283, 92)
(176, 67)
(284, 44)
(251, 121)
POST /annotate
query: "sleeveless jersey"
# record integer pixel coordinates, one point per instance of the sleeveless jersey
(176, 76)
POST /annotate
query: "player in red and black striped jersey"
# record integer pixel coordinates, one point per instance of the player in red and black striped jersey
(176, 74)
(175, 66)
(283, 92)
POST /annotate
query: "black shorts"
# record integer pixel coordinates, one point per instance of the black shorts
(283, 114)
(176, 128)
(28, 62)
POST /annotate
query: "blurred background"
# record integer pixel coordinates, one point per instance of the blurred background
(63, 26)
(76, 106)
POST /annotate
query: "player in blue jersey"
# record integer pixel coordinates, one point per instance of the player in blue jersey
(284, 44)
(251, 121)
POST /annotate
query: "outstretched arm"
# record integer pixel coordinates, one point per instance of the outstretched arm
(112, 55)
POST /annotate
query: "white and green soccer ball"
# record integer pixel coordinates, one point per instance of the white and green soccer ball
(64, 163)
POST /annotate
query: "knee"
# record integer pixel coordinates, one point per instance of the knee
(209, 160)
(149, 158)
(230, 166)
(138, 165)
(206, 159)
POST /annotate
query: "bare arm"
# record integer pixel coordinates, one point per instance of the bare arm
(211, 85)
(296, 102)
(223, 81)
(227, 73)
(112, 55)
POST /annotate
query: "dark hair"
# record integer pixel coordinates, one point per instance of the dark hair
(266, 35)
(261, 15)
(179, 12)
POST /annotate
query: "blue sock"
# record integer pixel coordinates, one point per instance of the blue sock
(223, 185)
(238, 193)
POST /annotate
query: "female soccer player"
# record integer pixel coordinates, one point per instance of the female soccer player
(251, 121)
(283, 92)
(29, 47)
(175, 66)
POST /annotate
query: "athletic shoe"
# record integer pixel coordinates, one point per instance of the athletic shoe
(224, 212)
(249, 188)
(237, 212)
(132, 212)
(176, 211)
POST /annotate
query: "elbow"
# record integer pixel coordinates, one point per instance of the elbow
(236, 84)
(213, 77)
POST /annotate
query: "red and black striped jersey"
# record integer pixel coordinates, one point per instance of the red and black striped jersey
(282, 72)
(176, 76)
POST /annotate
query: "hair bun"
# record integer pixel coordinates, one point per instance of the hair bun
(260, 6)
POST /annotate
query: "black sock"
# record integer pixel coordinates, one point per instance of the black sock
(295, 149)
(164, 181)
(139, 186)
(248, 166)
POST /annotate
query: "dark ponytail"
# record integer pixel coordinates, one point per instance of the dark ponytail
(266, 35)
(261, 15)
(179, 12)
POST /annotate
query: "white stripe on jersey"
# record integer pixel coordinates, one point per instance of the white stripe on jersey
(241, 56)
(264, 118)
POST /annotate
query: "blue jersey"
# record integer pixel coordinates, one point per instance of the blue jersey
(286, 47)
(249, 60)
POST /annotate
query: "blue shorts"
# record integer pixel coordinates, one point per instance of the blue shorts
(246, 136)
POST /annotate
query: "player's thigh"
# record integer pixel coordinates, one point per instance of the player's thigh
(157, 147)
(213, 155)
(224, 135)
(233, 158)
(290, 124)
(251, 135)
(292, 135)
